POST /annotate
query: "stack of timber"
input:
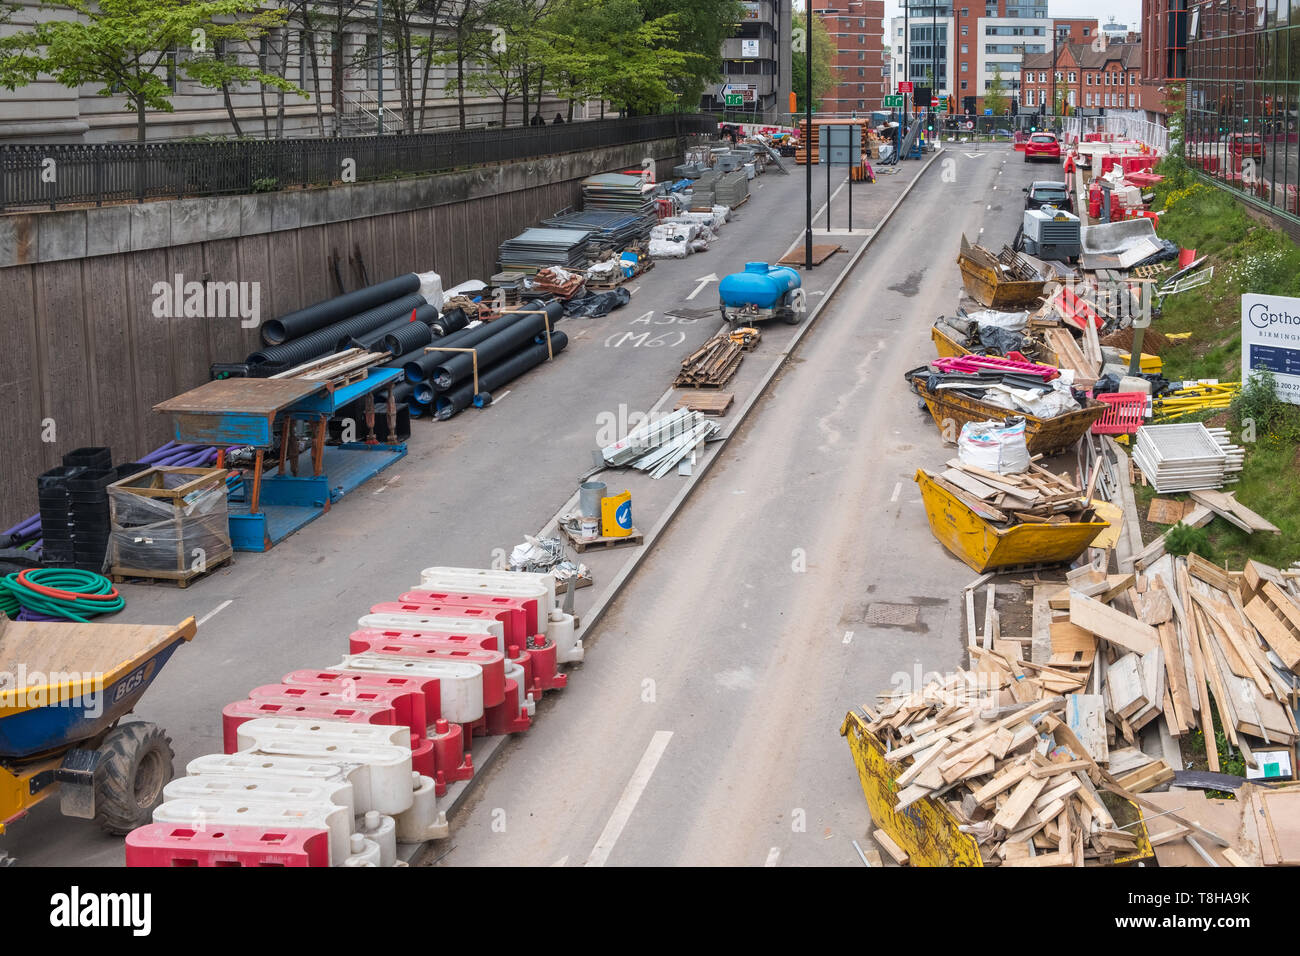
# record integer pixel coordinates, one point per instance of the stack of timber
(801, 150)
(711, 365)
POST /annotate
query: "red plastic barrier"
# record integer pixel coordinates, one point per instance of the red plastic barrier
(339, 680)
(239, 711)
(513, 620)
(1108, 163)
(439, 610)
(1133, 164)
(539, 649)
(506, 717)
(445, 766)
(492, 663)
(480, 599)
(170, 844)
(1076, 311)
(408, 703)
(1124, 415)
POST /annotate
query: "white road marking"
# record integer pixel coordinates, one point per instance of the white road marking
(215, 611)
(703, 281)
(384, 487)
(848, 637)
(497, 398)
(988, 207)
(773, 855)
(995, 187)
(633, 289)
(898, 488)
(628, 801)
(561, 861)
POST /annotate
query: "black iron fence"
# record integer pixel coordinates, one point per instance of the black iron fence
(54, 175)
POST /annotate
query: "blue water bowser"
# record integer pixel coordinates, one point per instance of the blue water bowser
(762, 292)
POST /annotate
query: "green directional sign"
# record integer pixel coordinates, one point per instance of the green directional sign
(893, 102)
(735, 99)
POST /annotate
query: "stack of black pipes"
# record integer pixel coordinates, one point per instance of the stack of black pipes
(441, 383)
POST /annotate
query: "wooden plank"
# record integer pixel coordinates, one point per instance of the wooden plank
(1275, 633)
(1165, 511)
(1112, 625)
(1227, 505)
(972, 633)
(1085, 715)
(886, 843)
(1002, 782)
(1198, 672)
(990, 602)
(1021, 799)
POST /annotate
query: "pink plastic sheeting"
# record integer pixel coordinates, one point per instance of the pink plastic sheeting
(992, 363)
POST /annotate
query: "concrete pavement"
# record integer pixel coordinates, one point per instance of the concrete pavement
(799, 579)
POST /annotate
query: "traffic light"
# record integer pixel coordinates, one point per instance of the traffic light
(1033, 129)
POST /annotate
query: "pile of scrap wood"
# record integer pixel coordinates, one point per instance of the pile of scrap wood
(1023, 747)
(1169, 646)
(1036, 496)
(1197, 512)
(1009, 770)
(712, 364)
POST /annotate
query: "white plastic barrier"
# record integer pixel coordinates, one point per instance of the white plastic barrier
(422, 622)
(523, 700)
(382, 830)
(559, 626)
(234, 809)
(364, 852)
(382, 754)
(460, 685)
(421, 821)
(251, 787)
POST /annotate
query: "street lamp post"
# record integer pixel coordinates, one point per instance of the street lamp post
(379, 51)
(807, 146)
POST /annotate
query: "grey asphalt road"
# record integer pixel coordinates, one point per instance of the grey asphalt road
(797, 581)
(467, 492)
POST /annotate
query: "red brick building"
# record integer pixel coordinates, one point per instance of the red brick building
(857, 29)
(1164, 53)
(1088, 78)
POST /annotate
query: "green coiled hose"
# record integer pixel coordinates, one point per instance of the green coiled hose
(66, 593)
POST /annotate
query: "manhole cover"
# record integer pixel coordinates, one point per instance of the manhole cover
(903, 615)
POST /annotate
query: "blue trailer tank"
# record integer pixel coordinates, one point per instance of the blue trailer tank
(760, 285)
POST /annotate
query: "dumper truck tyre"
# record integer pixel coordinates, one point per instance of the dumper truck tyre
(137, 764)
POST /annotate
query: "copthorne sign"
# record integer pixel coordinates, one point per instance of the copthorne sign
(1270, 339)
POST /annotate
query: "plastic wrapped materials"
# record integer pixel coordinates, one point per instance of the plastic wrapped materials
(169, 520)
(431, 288)
(994, 446)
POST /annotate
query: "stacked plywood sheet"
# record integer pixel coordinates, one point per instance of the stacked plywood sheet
(1181, 457)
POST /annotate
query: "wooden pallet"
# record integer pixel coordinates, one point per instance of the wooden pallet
(605, 285)
(705, 402)
(181, 579)
(821, 251)
(562, 587)
(588, 544)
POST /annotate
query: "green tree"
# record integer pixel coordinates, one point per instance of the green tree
(125, 46)
(995, 97)
(611, 50)
(822, 51)
(699, 26)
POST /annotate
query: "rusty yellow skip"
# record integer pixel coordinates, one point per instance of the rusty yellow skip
(926, 829)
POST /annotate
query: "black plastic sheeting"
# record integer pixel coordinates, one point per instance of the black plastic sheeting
(598, 303)
(372, 341)
(503, 372)
(528, 324)
(1168, 251)
(321, 314)
(453, 320)
(322, 341)
(1002, 341)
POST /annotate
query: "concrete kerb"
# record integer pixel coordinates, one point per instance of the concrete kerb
(482, 761)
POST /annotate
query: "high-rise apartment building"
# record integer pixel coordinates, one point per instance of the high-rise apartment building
(857, 29)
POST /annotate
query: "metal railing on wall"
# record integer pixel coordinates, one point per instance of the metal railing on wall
(63, 174)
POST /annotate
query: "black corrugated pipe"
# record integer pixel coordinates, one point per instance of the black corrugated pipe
(322, 341)
(340, 307)
(507, 370)
(422, 367)
(456, 367)
(453, 320)
(372, 341)
(412, 336)
(401, 393)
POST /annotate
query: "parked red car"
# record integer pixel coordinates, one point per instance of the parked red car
(1043, 146)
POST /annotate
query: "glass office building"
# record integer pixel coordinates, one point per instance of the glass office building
(1243, 92)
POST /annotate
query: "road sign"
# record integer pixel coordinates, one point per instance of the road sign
(893, 102)
(1270, 339)
(905, 86)
(735, 99)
